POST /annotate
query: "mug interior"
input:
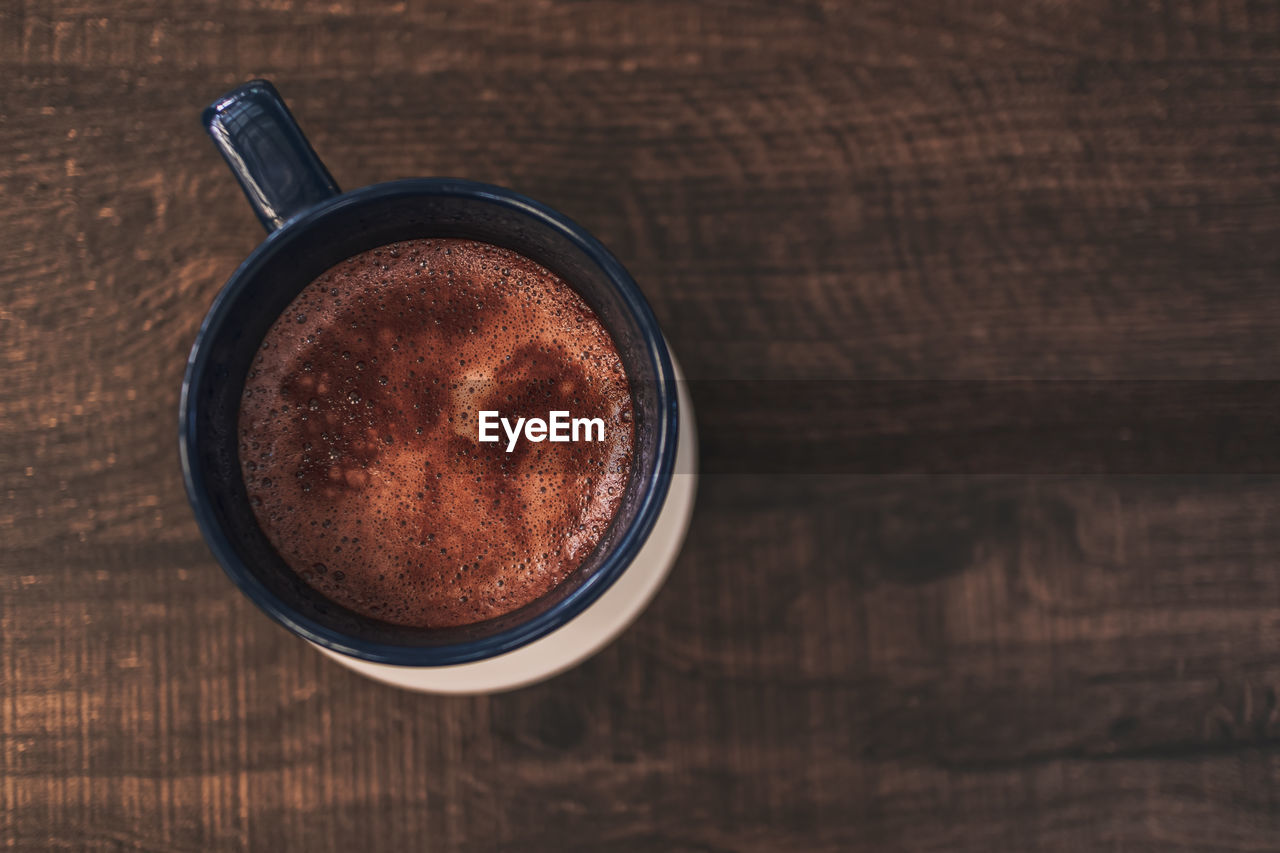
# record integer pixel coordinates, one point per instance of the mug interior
(262, 289)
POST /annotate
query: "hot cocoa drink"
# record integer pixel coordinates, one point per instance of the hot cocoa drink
(360, 432)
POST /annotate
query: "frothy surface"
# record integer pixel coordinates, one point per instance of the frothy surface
(358, 432)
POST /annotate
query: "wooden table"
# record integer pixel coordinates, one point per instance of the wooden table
(954, 658)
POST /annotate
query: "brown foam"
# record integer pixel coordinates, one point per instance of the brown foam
(358, 431)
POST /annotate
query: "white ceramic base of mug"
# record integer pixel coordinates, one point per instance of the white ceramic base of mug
(592, 629)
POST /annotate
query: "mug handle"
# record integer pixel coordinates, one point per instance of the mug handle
(275, 165)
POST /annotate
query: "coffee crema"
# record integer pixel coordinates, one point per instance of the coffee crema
(359, 432)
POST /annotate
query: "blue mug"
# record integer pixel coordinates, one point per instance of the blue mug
(312, 225)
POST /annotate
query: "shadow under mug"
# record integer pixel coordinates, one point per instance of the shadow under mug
(313, 226)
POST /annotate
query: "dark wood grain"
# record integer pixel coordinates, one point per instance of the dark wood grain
(974, 191)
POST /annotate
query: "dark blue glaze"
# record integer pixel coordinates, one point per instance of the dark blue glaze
(315, 229)
(275, 165)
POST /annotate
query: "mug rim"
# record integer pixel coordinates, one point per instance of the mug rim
(653, 495)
